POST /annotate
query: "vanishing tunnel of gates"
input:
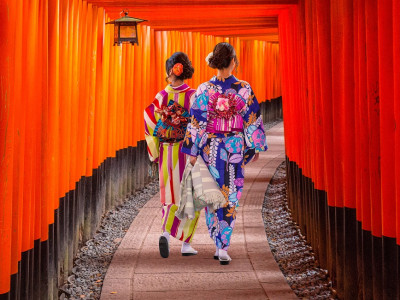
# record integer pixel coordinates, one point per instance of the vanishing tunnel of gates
(71, 120)
(71, 129)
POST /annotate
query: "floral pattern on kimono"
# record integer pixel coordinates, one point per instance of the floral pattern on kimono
(225, 153)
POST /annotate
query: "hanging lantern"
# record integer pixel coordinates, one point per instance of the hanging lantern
(125, 29)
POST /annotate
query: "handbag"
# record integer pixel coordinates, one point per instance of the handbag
(198, 190)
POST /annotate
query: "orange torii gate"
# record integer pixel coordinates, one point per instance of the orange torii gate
(340, 98)
(71, 112)
(66, 107)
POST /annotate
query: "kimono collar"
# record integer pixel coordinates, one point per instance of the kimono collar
(177, 89)
(229, 79)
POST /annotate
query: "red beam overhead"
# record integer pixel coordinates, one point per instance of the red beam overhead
(195, 14)
(141, 3)
(233, 18)
(166, 24)
(266, 38)
(242, 32)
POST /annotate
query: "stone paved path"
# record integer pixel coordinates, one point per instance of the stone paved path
(138, 272)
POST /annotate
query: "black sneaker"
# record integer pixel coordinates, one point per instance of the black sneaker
(164, 247)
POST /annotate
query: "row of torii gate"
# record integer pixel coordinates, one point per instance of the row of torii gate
(71, 119)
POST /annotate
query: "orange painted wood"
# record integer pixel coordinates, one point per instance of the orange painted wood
(387, 117)
(371, 23)
(348, 117)
(318, 104)
(85, 88)
(357, 117)
(77, 99)
(54, 105)
(43, 201)
(19, 144)
(396, 100)
(323, 32)
(345, 123)
(363, 120)
(337, 101)
(7, 115)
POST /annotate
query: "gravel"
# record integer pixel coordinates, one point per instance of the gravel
(93, 259)
(289, 247)
(269, 125)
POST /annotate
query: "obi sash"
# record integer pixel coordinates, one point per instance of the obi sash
(171, 127)
(224, 113)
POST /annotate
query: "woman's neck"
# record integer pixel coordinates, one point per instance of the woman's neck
(176, 83)
(224, 73)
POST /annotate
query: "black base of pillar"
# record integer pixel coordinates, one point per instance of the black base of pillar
(361, 266)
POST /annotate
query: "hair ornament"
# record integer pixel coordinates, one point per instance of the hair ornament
(208, 57)
(177, 69)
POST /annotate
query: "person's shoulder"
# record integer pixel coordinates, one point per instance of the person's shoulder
(204, 86)
(191, 90)
(190, 93)
(160, 96)
(243, 83)
(206, 83)
(162, 92)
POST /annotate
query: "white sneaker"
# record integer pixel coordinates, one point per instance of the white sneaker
(187, 250)
(224, 258)
(216, 254)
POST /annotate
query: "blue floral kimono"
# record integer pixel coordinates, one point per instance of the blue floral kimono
(226, 129)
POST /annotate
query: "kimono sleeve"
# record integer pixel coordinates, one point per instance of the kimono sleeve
(196, 135)
(150, 121)
(253, 128)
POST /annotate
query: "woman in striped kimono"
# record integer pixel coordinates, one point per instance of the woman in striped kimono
(166, 120)
(227, 131)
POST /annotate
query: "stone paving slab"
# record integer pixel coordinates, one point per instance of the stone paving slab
(138, 272)
(151, 252)
(179, 264)
(195, 281)
(251, 294)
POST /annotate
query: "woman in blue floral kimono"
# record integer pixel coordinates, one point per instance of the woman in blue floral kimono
(227, 130)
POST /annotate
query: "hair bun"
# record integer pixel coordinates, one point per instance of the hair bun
(180, 65)
(222, 56)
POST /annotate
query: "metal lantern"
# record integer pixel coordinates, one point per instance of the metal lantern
(125, 29)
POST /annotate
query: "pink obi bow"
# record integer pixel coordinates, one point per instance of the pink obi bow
(224, 113)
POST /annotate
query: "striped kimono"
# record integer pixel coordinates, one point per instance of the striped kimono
(170, 159)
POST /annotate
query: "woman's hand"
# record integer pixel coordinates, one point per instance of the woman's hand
(256, 156)
(193, 160)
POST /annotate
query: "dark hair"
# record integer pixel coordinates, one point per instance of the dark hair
(222, 56)
(180, 57)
